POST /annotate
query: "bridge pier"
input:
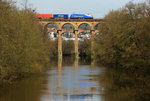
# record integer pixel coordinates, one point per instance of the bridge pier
(59, 44)
(76, 63)
(92, 42)
(76, 44)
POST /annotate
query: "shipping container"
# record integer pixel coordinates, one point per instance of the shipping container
(44, 16)
(65, 16)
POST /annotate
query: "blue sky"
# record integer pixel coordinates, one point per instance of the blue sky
(98, 8)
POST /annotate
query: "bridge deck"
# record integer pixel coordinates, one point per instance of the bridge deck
(72, 20)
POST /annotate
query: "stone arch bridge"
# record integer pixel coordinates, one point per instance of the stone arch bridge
(92, 27)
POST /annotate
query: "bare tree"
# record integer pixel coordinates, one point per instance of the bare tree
(25, 4)
(148, 1)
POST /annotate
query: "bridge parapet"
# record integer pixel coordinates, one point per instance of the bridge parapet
(71, 20)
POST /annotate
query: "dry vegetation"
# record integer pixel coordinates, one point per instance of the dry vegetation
(125, 38)
(23, 47)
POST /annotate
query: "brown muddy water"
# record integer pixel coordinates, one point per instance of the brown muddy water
(65, 81)
(78, 80)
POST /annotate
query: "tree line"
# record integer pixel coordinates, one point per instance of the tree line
(124, 40)
(24, 48)
(124, 47)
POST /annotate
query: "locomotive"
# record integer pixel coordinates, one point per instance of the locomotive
(64, 16)
(81, 16)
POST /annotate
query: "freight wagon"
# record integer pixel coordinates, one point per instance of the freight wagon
(58, 16)
(44, 16)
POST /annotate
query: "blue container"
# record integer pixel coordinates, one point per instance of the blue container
(81, 16)
(65, 16)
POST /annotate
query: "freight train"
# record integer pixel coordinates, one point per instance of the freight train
(64, 16)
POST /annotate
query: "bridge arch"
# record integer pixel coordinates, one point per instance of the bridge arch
(84, 26)
(87, 28)
(67, 35)
(97, 26)
(68, 26)
(84, 35)
(52, 26)
(51, 30)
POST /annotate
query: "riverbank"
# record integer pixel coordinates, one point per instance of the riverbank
(24, 48)
(124, 39)
(123, 47)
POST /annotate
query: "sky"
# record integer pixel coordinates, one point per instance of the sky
(98, 8)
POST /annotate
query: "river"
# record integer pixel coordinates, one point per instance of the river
(77, 80)
(66, 81)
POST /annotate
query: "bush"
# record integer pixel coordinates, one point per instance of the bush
(22, 44)
(125, 38)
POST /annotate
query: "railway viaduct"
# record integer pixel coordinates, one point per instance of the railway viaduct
(93, 25)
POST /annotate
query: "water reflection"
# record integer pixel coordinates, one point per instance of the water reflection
(25, 90)
(72, 83)
(78, 80)
(121, 85)
(76, 64)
